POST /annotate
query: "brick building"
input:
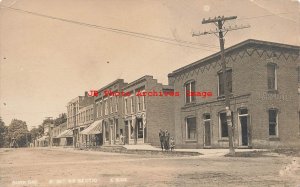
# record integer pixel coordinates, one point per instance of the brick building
(108, 113)
(144, 115)
(263, 80)
(79, 108)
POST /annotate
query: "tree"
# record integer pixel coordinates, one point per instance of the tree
(18, 129)
(61, 119)
(3, 134)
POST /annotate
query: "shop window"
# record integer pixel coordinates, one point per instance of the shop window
(131, 130)
(191, 128)
(272, 76)
(273, 122)
(221, 89)
(189, 87)
(106, 132)
(223, 124)
(117, 129)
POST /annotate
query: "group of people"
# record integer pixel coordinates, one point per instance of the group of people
(166, 142)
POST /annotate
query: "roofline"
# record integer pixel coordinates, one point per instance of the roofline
(112, 83)
(138, 81)
(232, 48)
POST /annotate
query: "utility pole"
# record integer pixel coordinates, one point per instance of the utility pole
(220, 32)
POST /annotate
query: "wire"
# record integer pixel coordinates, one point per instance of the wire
(125, 32)
(267, 15)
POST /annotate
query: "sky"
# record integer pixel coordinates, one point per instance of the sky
(46, 62)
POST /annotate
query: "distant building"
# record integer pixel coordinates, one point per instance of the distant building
(75, 113)
(263, 80)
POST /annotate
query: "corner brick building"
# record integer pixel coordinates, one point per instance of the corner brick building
(263, 80)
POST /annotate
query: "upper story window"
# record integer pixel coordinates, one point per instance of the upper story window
(100, 108)
(97, 110)
(92, 113)
(144, 102)
(221, 89)
(131, 104)
(126, 105)
(105, 107)
(139, 103)
(272, 76)
(273, 122)
(189, 87)
(111, 104)
(116, 104)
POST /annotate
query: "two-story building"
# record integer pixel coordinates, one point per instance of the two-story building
(79, 116)
(147, 109)
(108, 113)
(263, 81)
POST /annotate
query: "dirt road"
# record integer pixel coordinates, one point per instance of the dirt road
(45, 167)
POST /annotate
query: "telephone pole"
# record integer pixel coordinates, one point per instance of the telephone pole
(220, 32)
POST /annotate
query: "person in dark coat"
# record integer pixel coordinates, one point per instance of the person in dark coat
(167, 138)
(161, 135)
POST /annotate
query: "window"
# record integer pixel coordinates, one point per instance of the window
(111, 104)
(100, 108)
(106, 132)
(105, 107)
(116, 104)
(191, 128)
(144, 102)
(273, 126)
(92, 113)
(271, 74)
(139, 103)
(228, 82)
(125, 105)
(97, 110)
(131, 105)
(189, 87)
(223, 124)
(117, 129)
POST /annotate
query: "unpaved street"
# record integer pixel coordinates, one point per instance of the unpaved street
(66, 167)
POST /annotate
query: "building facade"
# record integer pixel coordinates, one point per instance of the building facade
(145, 112)
(108, 113)
(80, 113)
(263, 81)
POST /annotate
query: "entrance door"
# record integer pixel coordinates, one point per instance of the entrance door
(126, 134)
(207, 140)
(244, 129)
(111, 130)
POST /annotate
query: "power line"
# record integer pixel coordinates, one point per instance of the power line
(267, 15)
(125, 32)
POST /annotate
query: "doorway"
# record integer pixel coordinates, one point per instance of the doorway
(207, 131)
(244, 127)
(126, 133)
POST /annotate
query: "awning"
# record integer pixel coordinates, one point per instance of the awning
(94, 128)
(65, 134)
(43, 138)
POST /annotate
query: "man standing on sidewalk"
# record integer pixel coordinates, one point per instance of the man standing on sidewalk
(161, 135)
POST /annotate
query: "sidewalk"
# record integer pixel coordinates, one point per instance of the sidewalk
(203, 152)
